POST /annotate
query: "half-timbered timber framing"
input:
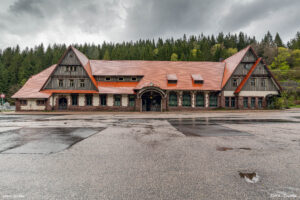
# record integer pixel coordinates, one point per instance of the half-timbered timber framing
(242, 81)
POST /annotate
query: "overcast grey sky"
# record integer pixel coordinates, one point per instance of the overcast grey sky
(30, 22)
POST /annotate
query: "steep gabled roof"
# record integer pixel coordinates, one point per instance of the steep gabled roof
(231, 64)
(246, 78)
(32, 87)
(84, 61)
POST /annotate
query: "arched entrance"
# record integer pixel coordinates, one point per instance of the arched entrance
(151, 101)
(62, 103)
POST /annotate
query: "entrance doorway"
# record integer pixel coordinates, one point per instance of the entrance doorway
(62, 104)
(151, 101)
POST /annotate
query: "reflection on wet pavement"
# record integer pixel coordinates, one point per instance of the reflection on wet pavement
(196, 127)
(42, 140)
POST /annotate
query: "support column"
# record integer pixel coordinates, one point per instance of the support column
(206, 94)
(179, 96)
(193, 99)
(138, 103)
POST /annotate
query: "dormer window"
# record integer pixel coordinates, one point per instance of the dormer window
(252, 83)
(82, 83)
(197, 79)
(133, 78)
(172, 78)
(121, 78)
(107, 78)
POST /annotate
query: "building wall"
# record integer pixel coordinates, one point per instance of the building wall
(32, 105)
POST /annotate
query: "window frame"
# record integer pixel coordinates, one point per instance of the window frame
(260, 102)
(197, 100)
(40, 102)
(252, 103)
(88, 103)
(215, 100)
(107, 78)
(120, 101)
(102, 97)
(245, 98)
(121, 79)
(73, 96)
(60, 83)
(23, 102)
(227, 102)
(232, 102)
(234, 82)
(173, 102)
(252, 82)
(82, 83)
(71, 82)
(131, 100)
(185, 102)
(133, 79)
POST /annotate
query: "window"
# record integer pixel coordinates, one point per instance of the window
(232, 102)
(213, 100)
(23, 102)
(198, 81)
(252, 82)
(73, 68)
(121, 78)
(245, 102)
(131, 100)
(260, 100)
(253, 102)
(89, 99)
(40, 102)
(81, 82)
(71, 83)
(248, 66)
(133, 78)
(172, 81)
(173, 99)
(67, 68)
(227, 102)
(74, 99)
(200, 100)
(103, 99)
(263, 83)
(117, 99)
(60, 83)
(186, 100)
(107, 78)
(234, 82)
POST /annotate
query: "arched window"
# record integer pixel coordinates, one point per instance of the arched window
(186, 99)
(172, 99)
(200, 100)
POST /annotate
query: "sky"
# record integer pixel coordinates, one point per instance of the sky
(31, 22)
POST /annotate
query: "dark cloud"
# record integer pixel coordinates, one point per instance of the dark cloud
(29, 22)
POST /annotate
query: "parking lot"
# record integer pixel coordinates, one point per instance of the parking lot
(208, 155)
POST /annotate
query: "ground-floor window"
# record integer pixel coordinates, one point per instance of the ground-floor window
(245, 102)
(200, 100)
(89, 99)
(213, 100)
(252, 102)
(131, 100)
(260, 100)
(117, 100)
(40, 102)
(232, 102)
(173, 99)
(103, 99)
(186, 100)
(227, 102)
(23, 102)
(74, 99)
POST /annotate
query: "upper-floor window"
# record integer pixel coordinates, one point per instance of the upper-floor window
(107, 78)
(121, 78)
(234, 82)
(73, 68)
(81, 82)
(263, 83)
(71, 83)
(133, 78)
(60, 83)
(252, 82)
(67, 68)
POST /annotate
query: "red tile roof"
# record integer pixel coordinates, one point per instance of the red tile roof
(240, 87)
(69, 91)
(32, 87)
(155, 72)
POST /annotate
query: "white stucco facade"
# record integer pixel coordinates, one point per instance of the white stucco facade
(32, 105)
(110, 100)
(124, 100)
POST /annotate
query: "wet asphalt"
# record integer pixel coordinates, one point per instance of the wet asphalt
(211, 155)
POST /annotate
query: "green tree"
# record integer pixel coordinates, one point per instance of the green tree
(280, 62)
(106, 55)
(278, 40)
(174, 57)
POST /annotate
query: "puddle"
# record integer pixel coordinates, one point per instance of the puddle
(42, 140)
(245, 148)
(249, 177)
